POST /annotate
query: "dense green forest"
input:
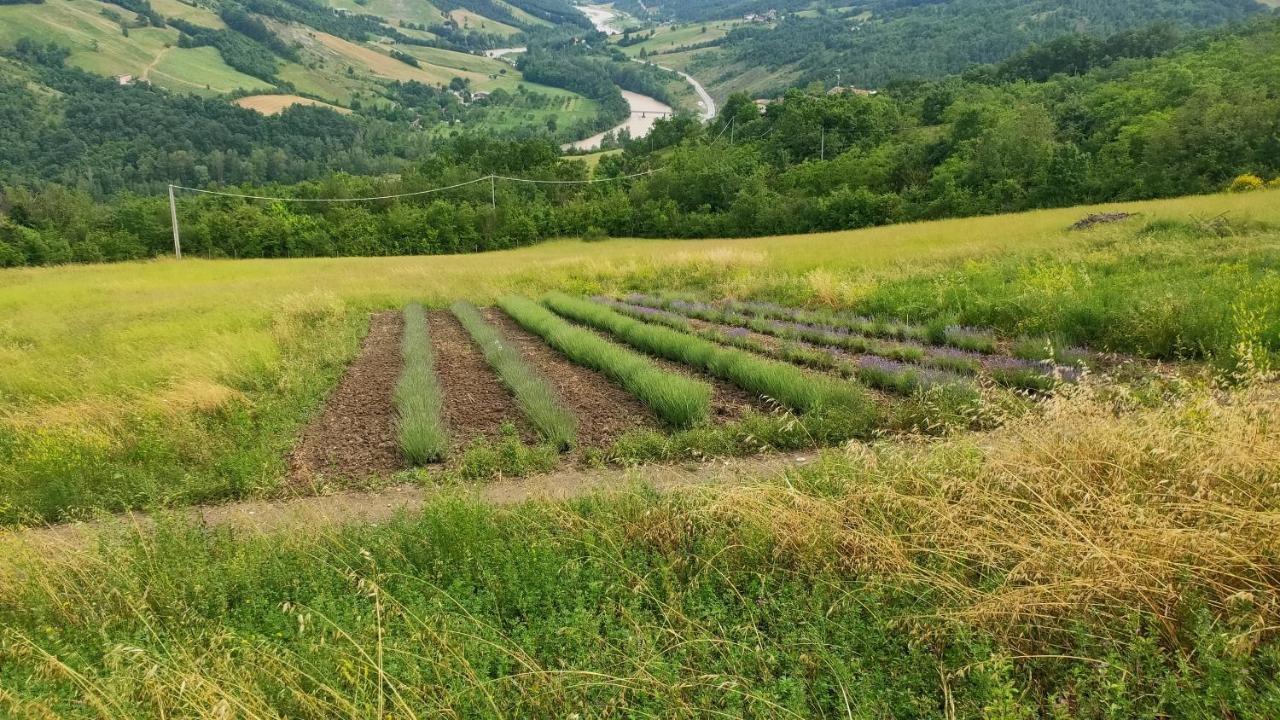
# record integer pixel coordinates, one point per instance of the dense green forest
(871, 43)
(64, 125)
(1200, 112)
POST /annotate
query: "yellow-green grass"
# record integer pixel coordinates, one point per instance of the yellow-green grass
(474, 21)
(276, 104)
(98, 45)
(199, 14)
(377, 60)
(456, 60)
(670, 37)
(103, 334)
(592, 160)
(192, 70)
(570, 110)
(415, 11)
(172, 382)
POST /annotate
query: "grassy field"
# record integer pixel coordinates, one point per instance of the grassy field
(415, 11)
(230, 357)
(276, 104)
(99, 46)
(1113, 553)
(668, 38)
(78, 333)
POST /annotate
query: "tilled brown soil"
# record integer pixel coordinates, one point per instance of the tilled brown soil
(476, 403)
(354, 438)
(604, 409)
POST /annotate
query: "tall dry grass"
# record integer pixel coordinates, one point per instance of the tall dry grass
(1086, 511)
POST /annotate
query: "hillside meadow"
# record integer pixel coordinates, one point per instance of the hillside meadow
(1110, 554)
(163, 383)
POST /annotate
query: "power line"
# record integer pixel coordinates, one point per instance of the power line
(316, 200)
(487, 178)
(490, 178)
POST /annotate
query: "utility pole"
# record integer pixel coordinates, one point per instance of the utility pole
(733, 130)
(493, 194)
(173, 218)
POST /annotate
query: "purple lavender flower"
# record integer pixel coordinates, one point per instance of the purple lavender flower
(1006, 363)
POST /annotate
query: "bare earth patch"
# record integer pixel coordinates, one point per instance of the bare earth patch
(354, 438)
(476, 403)
(604, 410)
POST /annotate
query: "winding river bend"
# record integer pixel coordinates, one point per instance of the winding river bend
(645, 110)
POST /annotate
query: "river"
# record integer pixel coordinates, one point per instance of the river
(645, 110)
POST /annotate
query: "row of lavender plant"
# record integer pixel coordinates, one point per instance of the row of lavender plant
(957, 336)
(883, 364)
(873, 371)
(939, 358)
(1044, 351)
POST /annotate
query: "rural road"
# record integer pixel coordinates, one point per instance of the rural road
(708, 105)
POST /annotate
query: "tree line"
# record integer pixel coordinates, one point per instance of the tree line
(1187, 120)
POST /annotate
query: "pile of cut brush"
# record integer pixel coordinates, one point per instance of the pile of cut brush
(1100, 219)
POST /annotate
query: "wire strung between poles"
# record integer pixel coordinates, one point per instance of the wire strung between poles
(487, 178)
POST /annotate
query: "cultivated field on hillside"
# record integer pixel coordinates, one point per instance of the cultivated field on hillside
(98, 45)
(275, 104)
(99, 356)
(1005, 468)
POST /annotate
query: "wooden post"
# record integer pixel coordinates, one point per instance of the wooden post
(173, 218)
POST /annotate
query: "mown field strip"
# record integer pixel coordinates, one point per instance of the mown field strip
(419, 401)
(678, 400)
(879, 373)
(535, 395)
(782, 382)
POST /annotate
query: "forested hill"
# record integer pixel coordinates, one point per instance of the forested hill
(870, 43)
(1139, 115)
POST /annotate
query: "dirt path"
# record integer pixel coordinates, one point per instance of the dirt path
(476, 403)
(604, 410)
(146, 72)
(266, 516)
(354, 438)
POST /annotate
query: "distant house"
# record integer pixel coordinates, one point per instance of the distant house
(124, 79)
(763, 104)
(479, 95)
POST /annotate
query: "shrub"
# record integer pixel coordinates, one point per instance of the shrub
(1245, 183)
